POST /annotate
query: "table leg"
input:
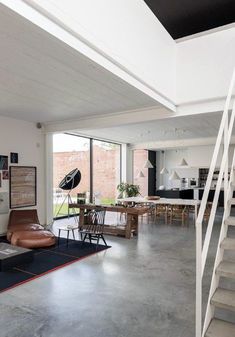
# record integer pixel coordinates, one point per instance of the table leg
(81, 218)
(81, 222)
(135, 222)
(73, 234)
(132, 221)
(67, 237)
(128, 226)
(195, 214)
(59, 237)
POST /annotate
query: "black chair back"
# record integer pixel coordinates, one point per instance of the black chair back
(96, 221)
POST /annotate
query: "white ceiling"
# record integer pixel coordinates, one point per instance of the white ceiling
(187, 127)
(44, 80)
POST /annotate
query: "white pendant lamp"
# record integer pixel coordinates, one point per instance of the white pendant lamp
(148, 164)
(183, 163)
(140, 175)
(174, 176)
(164, 171)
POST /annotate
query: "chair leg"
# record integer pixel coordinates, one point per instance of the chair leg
(84, 238)
(98, 239)
(102, 237)
(90, 238)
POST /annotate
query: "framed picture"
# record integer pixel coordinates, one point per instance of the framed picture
(23, 186)
(14, 158)
(3, 162)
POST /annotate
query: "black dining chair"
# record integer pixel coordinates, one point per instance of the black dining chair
(94, 229)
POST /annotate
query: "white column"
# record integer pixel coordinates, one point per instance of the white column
(49, 178)
(127, 164)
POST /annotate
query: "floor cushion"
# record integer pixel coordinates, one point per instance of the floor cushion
(33, 239)
(23, 227)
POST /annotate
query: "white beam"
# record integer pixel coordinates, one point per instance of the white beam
(137, 116)
(176, 143)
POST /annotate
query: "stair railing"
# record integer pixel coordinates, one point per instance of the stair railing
(223, 138)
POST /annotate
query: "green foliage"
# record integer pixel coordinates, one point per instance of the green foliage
(128, 190)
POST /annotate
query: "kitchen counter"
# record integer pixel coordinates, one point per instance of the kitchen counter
(176, 194)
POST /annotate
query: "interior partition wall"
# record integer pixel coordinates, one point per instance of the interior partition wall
(99, 163)
(140, 173)
(142, 176)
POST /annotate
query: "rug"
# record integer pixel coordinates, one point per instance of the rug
(47, 260)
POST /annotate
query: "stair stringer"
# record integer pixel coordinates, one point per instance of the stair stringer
(219, 257)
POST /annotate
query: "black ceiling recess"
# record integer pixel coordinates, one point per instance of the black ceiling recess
(186, 17)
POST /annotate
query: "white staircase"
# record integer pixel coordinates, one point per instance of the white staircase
(220, 298)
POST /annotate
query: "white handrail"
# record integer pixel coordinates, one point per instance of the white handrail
(226, 128)
(217, 191)
(219, 256)
(216, 151)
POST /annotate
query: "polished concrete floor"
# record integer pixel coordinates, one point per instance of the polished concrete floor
(143, 287)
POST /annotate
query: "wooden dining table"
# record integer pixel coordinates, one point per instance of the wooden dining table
(132, 216)
(166, 201)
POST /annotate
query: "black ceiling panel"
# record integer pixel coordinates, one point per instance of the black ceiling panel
(186, 17)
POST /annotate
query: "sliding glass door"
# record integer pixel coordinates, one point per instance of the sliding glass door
(69, 152)
(99, 163)
(106, 171)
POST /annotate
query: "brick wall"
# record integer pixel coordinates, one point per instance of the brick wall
(106, 166)
(106, 170)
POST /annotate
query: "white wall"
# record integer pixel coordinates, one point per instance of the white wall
(25, 139)
(196, 157)
(204, 66)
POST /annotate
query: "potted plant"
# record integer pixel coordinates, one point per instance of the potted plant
(128, 190)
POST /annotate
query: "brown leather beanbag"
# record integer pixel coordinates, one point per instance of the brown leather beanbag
(33, 239)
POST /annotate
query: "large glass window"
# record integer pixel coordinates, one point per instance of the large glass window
(140, 173)
(70, 152)
(99, 163)
(106, 171)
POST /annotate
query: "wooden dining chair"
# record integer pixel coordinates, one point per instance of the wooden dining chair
(207, 212)
(191, 210)
(94, 230)
(161, 211)
(179, 213)
(151, 209)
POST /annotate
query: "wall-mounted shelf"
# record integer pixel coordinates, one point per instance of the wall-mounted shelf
(203, 174)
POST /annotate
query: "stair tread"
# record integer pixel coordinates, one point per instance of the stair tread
(224, 298)
(230, 221)
(228, 243)
(232, 201)
(219, 328)
(227, 269)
